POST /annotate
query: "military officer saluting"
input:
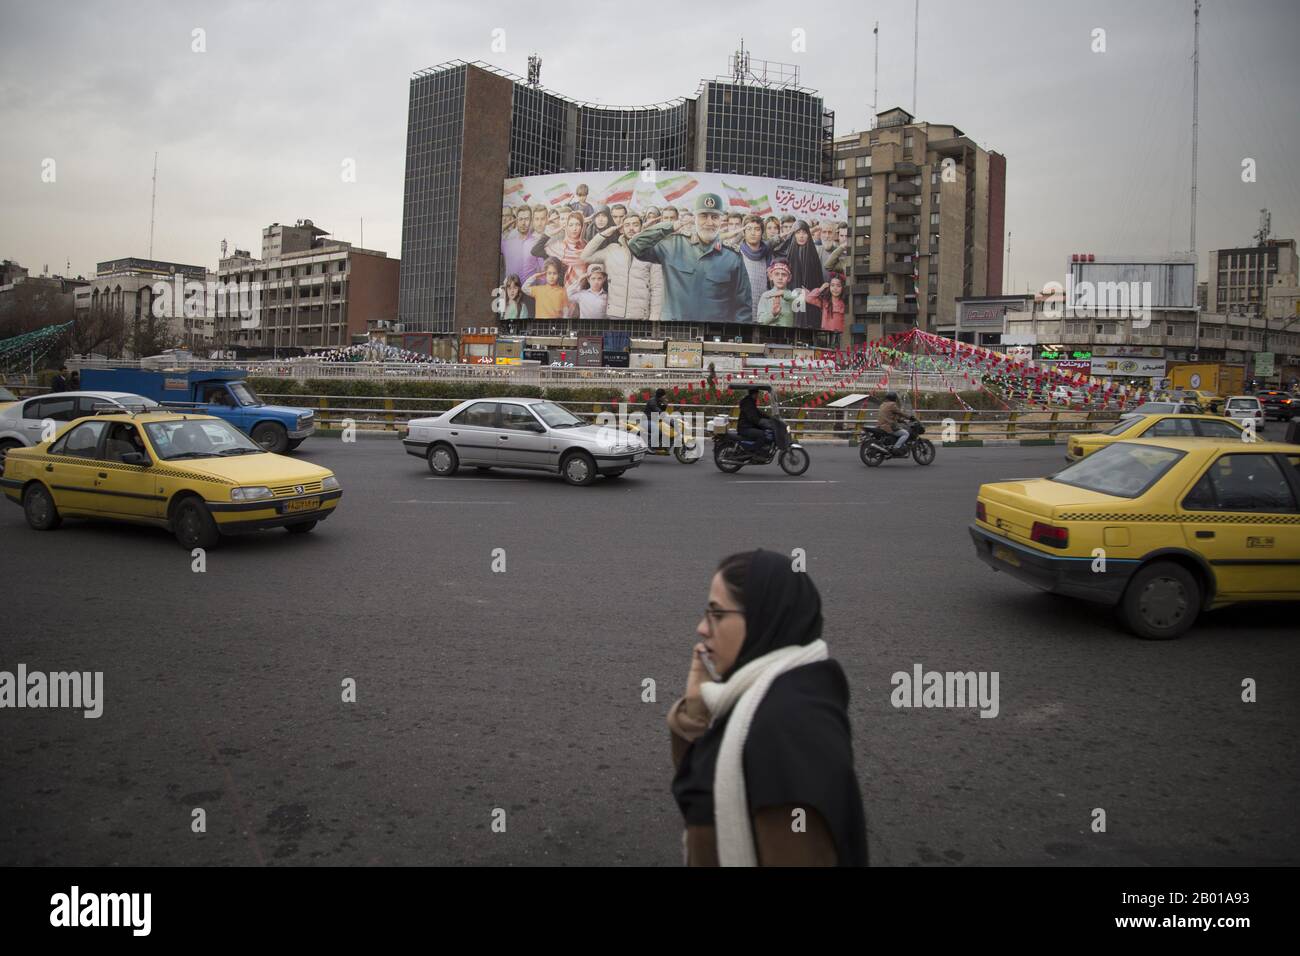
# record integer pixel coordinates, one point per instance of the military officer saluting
(704, 280)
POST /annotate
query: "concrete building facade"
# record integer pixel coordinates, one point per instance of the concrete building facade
(307, 291)
(927, 223)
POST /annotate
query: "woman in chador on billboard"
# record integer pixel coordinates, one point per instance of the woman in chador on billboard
(566, 247)
(636, 288)
(805, 271)
(602, 220)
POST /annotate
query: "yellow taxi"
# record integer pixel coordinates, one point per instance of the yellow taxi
(1153, 426)
(195, 475)
(1160, 528)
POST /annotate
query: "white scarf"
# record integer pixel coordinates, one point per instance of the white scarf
(743, 692)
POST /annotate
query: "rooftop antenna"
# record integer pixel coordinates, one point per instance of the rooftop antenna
(534, 70)
(153, 202)
(916, 46)
(1196, 74)
(875, 88)
(1265, 227)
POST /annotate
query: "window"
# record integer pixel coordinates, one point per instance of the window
(1125, 471)
(480, 414)
(122, 440)
(517, 418)
(1242, 482)
(81, 441)
(1171, 428)
(1218, 430)
(55, 409)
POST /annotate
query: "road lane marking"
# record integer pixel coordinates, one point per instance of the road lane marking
(422, 501)
(782, 481)
(475, 478)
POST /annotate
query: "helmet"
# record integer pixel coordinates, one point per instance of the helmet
(891, 396)
(660, 392)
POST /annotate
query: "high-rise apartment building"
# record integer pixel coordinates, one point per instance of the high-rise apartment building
(927, 209)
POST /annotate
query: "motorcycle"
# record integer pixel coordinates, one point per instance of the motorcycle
(675, 436)
(877, 445)
(731, 452)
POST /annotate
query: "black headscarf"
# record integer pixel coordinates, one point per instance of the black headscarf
(799, 750)
(805, 273)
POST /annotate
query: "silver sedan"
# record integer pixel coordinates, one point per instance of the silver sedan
(529, 433)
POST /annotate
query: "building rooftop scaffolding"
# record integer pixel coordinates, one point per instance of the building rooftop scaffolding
(515, 78)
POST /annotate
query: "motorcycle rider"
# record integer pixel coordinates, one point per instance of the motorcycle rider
(654, 410)
(754, 425)
(892, 420)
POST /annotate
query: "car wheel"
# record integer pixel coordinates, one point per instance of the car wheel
(578, 468)
(443, 461)
(1161, 602)
(193, 525)
(301, 527)
(4, 450)
(39, 508)
(271, 437)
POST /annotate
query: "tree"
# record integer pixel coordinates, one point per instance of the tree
(150, 334)
(100, 330)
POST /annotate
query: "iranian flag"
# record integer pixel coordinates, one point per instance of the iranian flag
(762, 206)
(620, 190)
(675, 187)
(559, 193)
(736, 198)
(515, 188)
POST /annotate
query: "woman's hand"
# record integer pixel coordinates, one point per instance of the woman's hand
(698, 674)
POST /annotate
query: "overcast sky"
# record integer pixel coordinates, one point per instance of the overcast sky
(256, 129)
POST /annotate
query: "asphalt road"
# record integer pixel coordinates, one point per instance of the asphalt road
(523, 690)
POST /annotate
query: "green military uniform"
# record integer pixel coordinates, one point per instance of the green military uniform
(703, 283)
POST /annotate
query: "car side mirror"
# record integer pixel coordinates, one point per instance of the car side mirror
(135, 458)
(537, 427)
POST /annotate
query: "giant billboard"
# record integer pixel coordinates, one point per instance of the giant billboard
(631, 245)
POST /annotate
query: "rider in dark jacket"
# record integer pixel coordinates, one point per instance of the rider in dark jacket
(655, 406)
(753, 424)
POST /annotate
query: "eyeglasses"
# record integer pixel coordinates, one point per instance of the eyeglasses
(713, 615)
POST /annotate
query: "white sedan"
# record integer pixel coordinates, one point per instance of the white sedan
(1242, 407)
(30, 422)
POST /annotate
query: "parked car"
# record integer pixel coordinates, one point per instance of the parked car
(1160, 528)
(1240, 408)
(528, 433)
(22, 424)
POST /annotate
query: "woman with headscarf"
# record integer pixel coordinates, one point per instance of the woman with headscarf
(805, 271)
(763, 750)
(567, 247)
(601, 221)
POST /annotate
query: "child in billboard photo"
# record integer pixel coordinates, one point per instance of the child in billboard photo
(566, 247)
(516, 305)
(550, 296)
(588, 298)
(776, 305)
(832, 301)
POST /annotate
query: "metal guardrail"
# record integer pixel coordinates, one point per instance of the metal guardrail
(952, 426)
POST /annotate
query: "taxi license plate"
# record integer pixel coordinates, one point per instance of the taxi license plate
(1006, 554)
(302, 504)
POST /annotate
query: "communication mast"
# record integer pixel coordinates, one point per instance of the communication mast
(534, 70)
(153, 203)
